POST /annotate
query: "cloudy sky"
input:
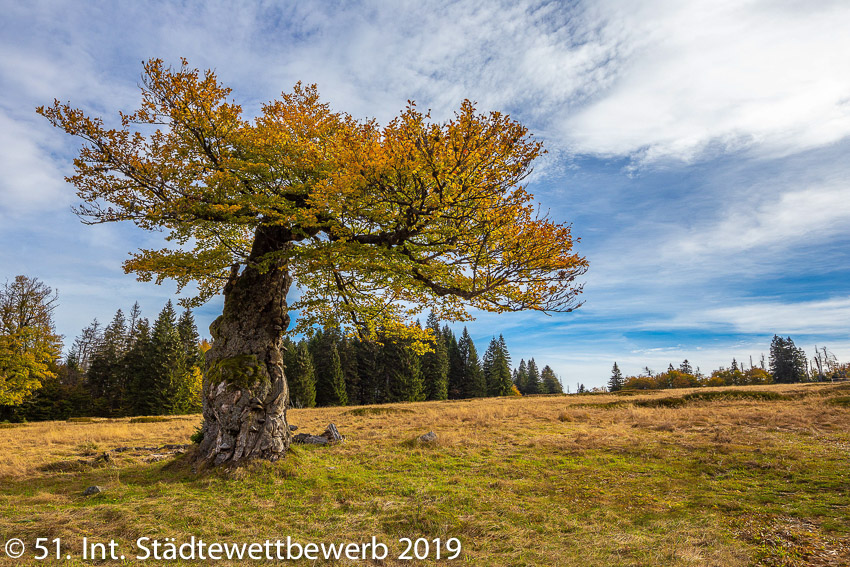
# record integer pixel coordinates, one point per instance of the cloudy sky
(700, 149)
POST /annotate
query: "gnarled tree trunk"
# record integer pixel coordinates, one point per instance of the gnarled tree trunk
(245, 393)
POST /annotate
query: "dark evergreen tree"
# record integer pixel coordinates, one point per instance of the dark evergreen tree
(330, 385)
(403, 373)
(189, 374)
(474, 384)
(496, 368)
(521, 377)
(348, 361)
(787, 362)
(615, 382)
(456, 365)
(369, 371)
(106, 375)
(166, 357)
(300, 375)
(142, 383)
(435, 364)
(686, 368)
(549, 382)
(532, 385)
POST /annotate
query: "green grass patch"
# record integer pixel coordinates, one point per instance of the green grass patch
(724, 395)
(842, 401)
(377, 411)
(150, 419)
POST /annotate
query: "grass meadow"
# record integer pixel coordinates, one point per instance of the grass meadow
(741, 476)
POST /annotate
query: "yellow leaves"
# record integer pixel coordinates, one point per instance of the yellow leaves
(380, 222)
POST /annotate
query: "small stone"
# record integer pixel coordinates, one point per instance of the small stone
(293, 427)
(92, 490)
(429, 437)
(332, 434)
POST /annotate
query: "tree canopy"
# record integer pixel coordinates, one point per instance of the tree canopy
(29, 344)
(376, 223)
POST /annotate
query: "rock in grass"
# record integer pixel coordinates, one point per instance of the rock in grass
(92, 490)
(332, 434)
(429, 437)
(307, 439)
(293, 427)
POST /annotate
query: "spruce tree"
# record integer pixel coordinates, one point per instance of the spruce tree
(456, 365)
(403, 373)
(300, 375)
(106, 376)
(549, 382)
(330, 385)
(474, 384)
(348, 361)
(166, 356)
(521, 377)
(435, 364)
(496, 368)
(615, 382)
(787, 362)
(189, 375)
(533, 383)
(369, 371)
(138, 362)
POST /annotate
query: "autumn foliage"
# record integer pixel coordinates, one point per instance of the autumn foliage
(379, 222)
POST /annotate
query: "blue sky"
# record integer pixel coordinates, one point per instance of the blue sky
(699, 149)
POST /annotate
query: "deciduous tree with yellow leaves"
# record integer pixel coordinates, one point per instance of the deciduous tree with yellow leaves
(29, 345)
(373, 223)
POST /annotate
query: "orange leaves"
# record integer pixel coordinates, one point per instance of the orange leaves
(379, 223)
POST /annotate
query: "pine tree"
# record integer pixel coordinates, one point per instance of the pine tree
(166, 354)
(330, 385)
(300, 375)
(456, 365)
(521, 377)
(369, 371)
(533, 383)
(403, 373)
(189, 376)
(138, 361)
(615, 382)
(686, 367)
(787, 362)
(496, 368)
(549, 382)
(106, 376)
(474, 384)
(435, 364)
(348, 361)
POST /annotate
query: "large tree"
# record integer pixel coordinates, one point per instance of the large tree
(373, 223)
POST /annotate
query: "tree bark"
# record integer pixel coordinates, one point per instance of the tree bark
(245, 394)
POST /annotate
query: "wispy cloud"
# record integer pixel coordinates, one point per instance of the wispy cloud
(699, 147)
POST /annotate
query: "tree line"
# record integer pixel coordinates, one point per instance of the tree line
(330, 369)
(134, 367)
(788, 364)
(129, 367)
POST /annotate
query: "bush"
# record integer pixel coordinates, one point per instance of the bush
(198, 435)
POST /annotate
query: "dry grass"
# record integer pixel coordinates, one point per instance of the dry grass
(550, 480)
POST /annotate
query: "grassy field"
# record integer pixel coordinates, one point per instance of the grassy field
(741, 476)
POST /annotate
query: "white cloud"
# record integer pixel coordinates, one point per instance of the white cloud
(717, 76)
(780, 221)
(781, 317)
